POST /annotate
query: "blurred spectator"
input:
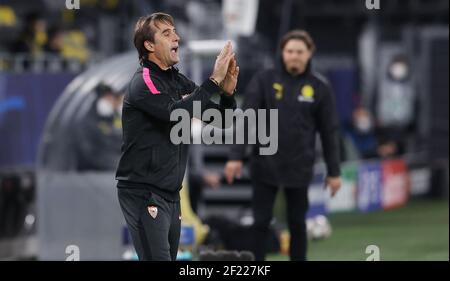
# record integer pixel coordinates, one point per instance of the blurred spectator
(361, 131)
(372, 141)
(396, 105)
(7, 16)
(33, 37)
(75, 46)
(99, 133)
(55, 41)
(391, 142)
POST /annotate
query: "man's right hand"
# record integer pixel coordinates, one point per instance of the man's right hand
(233, 169)
(222, 63)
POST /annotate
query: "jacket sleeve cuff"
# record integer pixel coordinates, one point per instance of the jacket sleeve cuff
(334, 172)
(227, 101)
(210, 87)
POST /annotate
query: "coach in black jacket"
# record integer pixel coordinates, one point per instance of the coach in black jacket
(306, 107)
(151, 168)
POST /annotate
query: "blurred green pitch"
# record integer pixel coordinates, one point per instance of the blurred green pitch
(418, 231)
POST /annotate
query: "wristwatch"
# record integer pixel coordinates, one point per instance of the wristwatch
(214, 81)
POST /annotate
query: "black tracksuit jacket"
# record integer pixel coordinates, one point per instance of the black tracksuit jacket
(306, 107)
(149, 159)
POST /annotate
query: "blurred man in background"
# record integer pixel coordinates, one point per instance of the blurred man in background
(305, 106)
(360, 130)
(33, 37)
(55, 41)
(152, 167)
(99, 133)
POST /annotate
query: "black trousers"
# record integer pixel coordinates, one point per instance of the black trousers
(154, 223)
(297, 205)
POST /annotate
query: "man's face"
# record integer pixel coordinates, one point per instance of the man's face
(296, 56)
(164, 51)
(362, 120)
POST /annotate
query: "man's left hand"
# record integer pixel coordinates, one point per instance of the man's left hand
(334, 184)
(230, 81)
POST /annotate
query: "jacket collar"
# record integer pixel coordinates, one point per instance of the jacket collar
(155, 68)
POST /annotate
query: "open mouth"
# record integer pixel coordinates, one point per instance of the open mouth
(174, 50)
